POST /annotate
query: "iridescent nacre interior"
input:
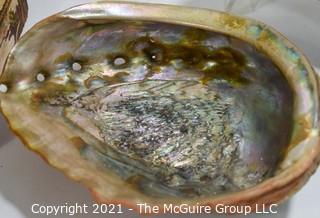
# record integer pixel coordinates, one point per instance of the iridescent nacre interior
(174, 110)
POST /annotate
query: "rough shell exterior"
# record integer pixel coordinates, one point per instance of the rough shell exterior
(13, 15)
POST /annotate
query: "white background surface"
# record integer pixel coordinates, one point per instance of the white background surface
(25, 179)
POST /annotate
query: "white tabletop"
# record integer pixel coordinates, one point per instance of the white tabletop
(25, 179)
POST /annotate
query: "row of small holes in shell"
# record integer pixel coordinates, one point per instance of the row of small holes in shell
(41, 77)
(119, 61)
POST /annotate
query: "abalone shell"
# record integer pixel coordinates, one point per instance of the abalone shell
(161, 109)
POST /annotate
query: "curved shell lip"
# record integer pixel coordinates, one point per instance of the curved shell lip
(275, 189)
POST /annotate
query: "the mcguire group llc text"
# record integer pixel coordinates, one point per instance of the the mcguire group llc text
(206, 209)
